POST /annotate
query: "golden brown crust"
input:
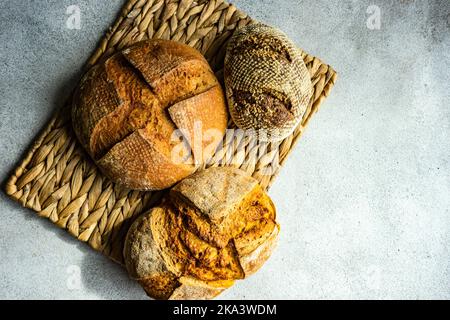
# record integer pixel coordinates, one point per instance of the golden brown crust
(173, 72)
(138, 162)
(138, 107)
(177, 245)
(161, 286)
(192, 289)
(202, 121)
(94, 98)
(120, 112)
(156, 58)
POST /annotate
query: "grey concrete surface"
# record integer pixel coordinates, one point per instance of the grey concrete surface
(363, 201)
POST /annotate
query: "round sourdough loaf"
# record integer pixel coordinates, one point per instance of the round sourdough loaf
(267, 83)
(215, 227)
(128, 107)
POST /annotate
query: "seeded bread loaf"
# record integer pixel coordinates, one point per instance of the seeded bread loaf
(127, 108)
(215, 227)
(268, 86)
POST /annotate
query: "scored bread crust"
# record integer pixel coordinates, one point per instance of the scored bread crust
(191, 249)
(200, 114)
(215, 200)
(148, 166)
(268, 86)
(121, 113)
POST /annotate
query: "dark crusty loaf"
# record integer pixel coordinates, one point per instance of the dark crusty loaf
(267, 83)
(126, 109)
(217, 226)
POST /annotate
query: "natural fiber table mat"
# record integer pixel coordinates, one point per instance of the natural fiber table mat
(58, 181)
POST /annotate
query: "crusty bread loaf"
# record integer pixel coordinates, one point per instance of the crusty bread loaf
(127, 107)
(268, 86)
(215, 227)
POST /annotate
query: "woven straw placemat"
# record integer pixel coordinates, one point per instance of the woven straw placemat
(58, 181)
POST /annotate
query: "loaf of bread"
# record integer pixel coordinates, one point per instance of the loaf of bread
(268, 86)
(128, 107)
(215, 227)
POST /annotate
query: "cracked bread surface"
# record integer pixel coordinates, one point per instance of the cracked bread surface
(128, 108)
(191, 249)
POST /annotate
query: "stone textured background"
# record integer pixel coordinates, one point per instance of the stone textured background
(363, 201)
